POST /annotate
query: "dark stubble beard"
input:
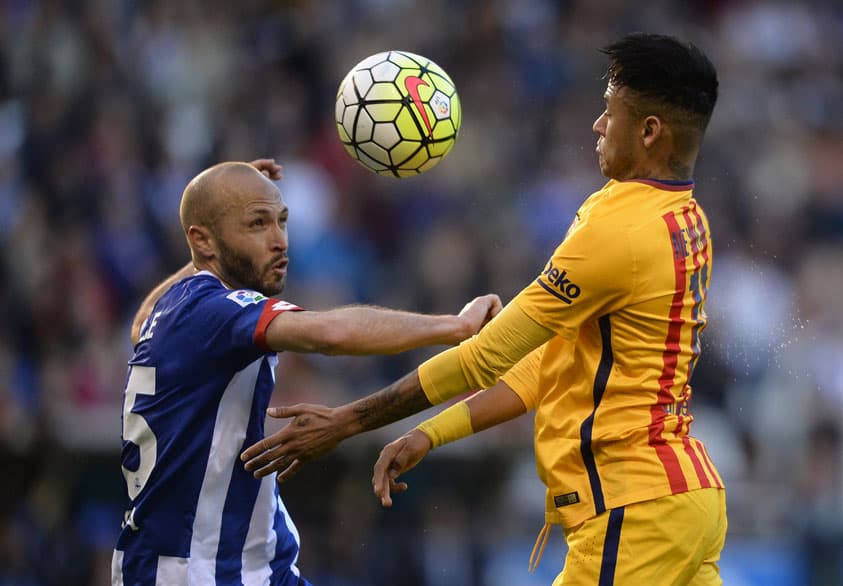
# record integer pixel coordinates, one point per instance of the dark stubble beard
(239, 270)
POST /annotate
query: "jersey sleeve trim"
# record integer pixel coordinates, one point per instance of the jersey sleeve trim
(271, 310)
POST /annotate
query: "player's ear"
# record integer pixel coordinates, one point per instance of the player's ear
(202, 241)
(651, 130)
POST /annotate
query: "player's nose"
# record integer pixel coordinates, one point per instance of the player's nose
(279, 239)
(599, 125)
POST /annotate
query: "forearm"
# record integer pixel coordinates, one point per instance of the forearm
(148, 303)
(315, 429)
(397, 401)
(405, 397)
(482, 410)
(495, 405)
(370, 330)
(360, 330)
(481, 361)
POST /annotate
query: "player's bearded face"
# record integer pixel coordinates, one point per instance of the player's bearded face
(241, 270)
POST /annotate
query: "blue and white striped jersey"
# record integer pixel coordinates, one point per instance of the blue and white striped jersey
(197, 389)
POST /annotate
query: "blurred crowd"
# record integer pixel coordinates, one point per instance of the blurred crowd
(109, 107)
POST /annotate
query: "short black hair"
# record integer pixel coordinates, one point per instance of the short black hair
(666, 73)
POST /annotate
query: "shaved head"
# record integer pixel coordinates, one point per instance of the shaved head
(216, 190)
(235, 222)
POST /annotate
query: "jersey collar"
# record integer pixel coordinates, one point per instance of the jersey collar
(665, 184)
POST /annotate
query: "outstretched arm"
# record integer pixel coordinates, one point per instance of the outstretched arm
(514, 394)
(480, 411)
(374, 330)
(316, 429)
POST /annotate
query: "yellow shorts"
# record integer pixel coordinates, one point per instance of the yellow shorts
(671, 541)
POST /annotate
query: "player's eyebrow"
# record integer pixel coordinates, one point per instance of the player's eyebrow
(259, 210)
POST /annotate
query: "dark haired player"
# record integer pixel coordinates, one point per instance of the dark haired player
(602, 345)
(201, 378)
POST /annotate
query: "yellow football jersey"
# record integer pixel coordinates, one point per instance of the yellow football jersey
(625, 294)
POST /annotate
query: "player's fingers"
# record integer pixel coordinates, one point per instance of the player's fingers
(389, 485)
(380, 465)
(289, 472)
(386, 498)
(269, 455)
(264, 450)
(384, 463)
(268, 449)
(389, 465)
(268, 167)
(264, 166)
(496, 307)
(286, 411)
(380, 481)
(275, 465)
(278, 438)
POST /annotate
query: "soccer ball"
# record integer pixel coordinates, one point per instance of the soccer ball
(398, 114)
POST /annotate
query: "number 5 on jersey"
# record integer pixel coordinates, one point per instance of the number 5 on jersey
(137, 430)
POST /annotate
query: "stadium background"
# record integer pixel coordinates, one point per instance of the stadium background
(107, 108)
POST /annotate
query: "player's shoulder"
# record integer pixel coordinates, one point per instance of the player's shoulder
(605, 210)
(206, 288)
(635, 203)
(192, 287)
(201, 284)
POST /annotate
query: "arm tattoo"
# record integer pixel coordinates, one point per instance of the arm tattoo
(401, 399)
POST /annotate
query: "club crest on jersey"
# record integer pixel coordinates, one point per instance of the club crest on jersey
(245, 297)
(558, 284)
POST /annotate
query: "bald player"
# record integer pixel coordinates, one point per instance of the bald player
(201, 377)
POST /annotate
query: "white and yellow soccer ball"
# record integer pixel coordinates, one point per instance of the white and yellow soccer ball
(398, 114)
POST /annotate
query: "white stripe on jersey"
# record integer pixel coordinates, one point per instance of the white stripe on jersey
(258, 551)
(171, 571)
(117, 568)
(293, 530)
(229, 435)
(273, 362)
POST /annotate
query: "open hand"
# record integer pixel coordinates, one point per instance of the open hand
(314, 431)
(396, 458)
